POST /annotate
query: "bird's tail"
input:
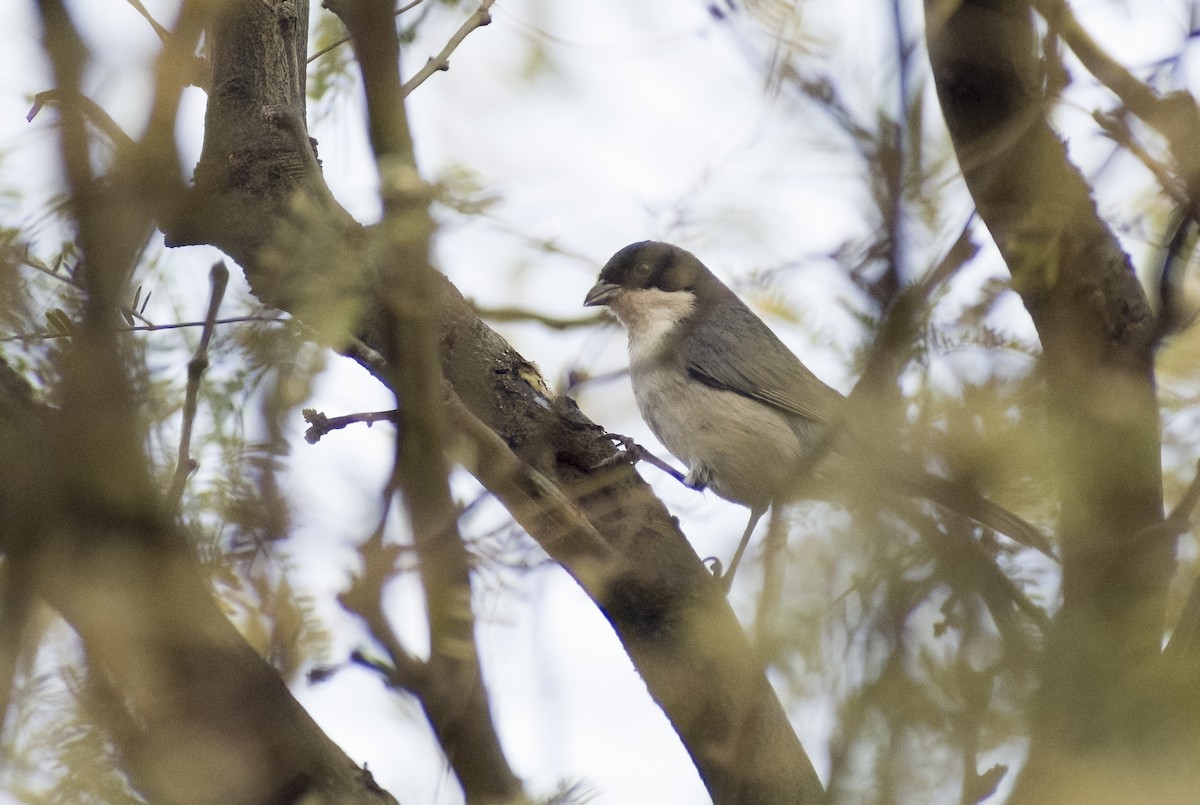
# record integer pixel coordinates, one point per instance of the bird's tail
(963, 499)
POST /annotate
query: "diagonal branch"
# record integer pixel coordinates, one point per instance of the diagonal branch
(677, 628)
(1175, 116)
(480, 18)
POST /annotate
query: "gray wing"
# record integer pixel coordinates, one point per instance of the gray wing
(735, 351)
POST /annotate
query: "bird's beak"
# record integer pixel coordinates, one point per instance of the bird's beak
(601, 294)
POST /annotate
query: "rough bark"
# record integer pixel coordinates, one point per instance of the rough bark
(268, 208)
(1100, 719)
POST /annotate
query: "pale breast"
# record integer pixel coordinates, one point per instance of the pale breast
(751, 451)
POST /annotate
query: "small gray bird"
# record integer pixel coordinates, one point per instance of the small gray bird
(728, 398)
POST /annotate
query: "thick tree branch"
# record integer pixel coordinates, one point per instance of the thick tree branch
(1101, 680)
(451, 688)
(669, 614)
(202, 718)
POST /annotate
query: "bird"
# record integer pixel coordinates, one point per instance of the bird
(732, 402)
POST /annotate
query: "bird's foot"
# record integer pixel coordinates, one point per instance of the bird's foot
(725, 580)
(631, 451)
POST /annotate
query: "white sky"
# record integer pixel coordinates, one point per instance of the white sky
(648, 120)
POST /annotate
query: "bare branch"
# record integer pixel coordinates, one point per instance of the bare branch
(319, 424)
(535, 502)
(153, 328)
(480, 18)
(1175, 116)
(510, 314)
(185, 466)
(100, 118)
(163, 33)
(343, 40)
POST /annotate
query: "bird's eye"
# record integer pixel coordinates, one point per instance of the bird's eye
(641, 271)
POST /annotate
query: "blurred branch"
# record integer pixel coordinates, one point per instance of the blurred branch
(163, 33)
(364, 598)
(214, 722)
(1141, 99)
(1116, 126)
(1176, 522)
(344, 39)
(451, 691)
(1097, 332)
(1185, 638)
(512, 314)
(185, 465)
(770, 596)
(100, 118)
(480, 18)
(1175, 116)
(17, 601)
(976, 689)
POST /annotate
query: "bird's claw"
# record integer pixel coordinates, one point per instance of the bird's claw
(714, 566)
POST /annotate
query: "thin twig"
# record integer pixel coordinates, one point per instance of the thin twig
(319, 424)
(163, 33)
(343, 40)
(1174, 116)
(1117, 127)
(219, 278)
(364, 598)
(524, 314)
(480, 18)
(100, 118)
(150, 328)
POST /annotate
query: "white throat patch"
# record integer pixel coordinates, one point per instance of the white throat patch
(650, 315)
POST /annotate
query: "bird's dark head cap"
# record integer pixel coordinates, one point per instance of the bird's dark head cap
(647, 264)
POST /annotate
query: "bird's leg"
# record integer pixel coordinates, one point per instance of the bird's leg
(726, 580)
(634, 452)
(698, 477)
